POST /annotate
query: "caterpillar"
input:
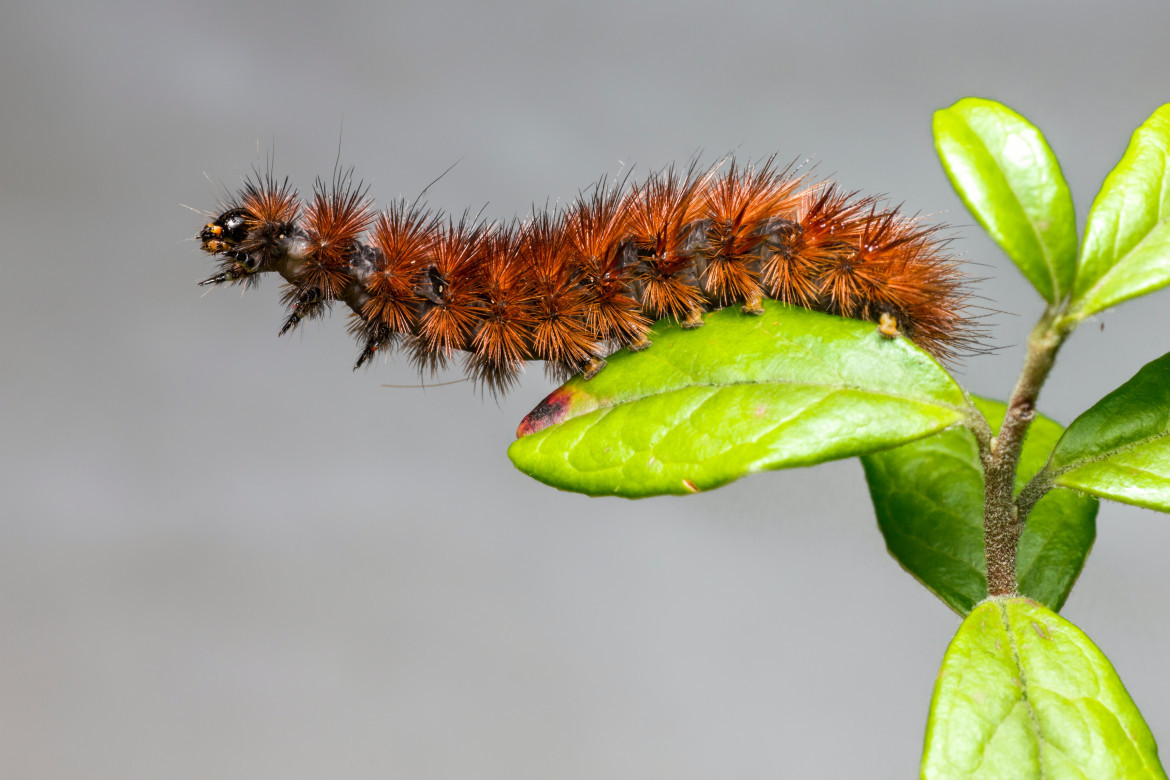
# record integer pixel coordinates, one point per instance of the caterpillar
(571, 285)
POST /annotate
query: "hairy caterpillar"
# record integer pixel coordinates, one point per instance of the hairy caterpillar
(571, 285)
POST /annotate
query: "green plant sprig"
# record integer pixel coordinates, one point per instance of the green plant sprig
(990, 505)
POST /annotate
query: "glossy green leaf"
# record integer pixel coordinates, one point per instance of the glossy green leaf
(703, 407)
(1126, 252)
(928, 497)
(1120, 448)
(1009, 178)
(1024, 695)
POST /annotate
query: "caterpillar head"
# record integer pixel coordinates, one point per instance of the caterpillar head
(225, 232)
(224, 237)
(251, 235)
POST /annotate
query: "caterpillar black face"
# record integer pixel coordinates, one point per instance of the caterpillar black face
(222, 237)
(225, 231)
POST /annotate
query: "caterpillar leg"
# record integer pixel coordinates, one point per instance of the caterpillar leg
(888, 326)
(639, 345)
(290, 322)
(307, 304)
(593, 368)
(212, 281)
(694, 319)
(753, 305)
(374, 342)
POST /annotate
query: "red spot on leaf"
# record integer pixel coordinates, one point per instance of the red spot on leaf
(549, 412)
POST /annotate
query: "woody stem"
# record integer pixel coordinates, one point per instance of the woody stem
(1003, 522)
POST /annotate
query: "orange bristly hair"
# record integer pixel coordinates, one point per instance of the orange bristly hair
(334, 221)
(597, 227)
(569, 286)
(740, 208)
(663, 212)
(453, 286)
(268, 201)
(403, 237)
(503, 341)
(559, 336)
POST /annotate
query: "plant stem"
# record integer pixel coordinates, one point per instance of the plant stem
(978, 426)
(1003, 520)
(1035, 490)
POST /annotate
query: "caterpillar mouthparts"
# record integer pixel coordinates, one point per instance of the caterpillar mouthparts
(570, 286)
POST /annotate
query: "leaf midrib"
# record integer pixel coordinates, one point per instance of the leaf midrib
(1060, 472)
(1049, 265)
(602, 411)
(1024, 695)
(831, 387)
(1119, 263)
(691, 380)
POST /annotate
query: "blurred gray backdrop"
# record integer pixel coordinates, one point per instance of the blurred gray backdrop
(225, 555)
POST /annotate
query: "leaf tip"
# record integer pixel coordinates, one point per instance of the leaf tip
(557, 406)
(550, 411)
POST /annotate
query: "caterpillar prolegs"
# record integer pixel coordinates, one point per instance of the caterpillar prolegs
(571, 285)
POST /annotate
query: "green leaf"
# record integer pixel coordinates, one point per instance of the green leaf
(1127, 238)
(703, 407)
(928, 497)
(1009, 178)
(1023, 694)
(1120, 448)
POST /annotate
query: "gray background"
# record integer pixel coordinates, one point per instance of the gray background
(225, 555)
